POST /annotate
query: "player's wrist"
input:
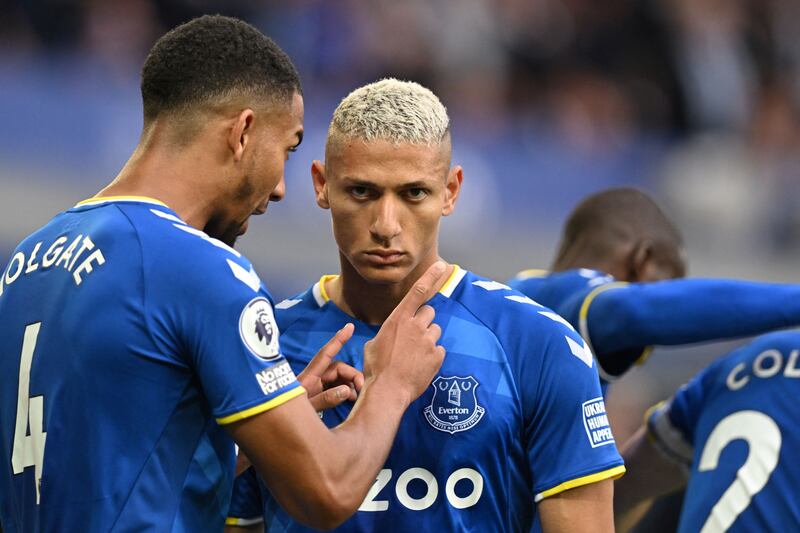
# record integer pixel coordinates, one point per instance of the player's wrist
(388, 392)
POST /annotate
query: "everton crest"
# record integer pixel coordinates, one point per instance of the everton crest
(454, 406)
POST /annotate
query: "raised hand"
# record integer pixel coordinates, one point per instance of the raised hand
(404, 353)
(328, 382)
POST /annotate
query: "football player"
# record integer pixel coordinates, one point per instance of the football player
(132, 334)
(511, 435)
(616, 242)
(732, 432)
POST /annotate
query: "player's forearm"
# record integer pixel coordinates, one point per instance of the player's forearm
(626, 520)
(320, 476)
(691, 310)
(366, 438)
(649, 476)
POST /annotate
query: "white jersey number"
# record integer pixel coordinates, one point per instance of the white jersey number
(28, 448)
(763, 439)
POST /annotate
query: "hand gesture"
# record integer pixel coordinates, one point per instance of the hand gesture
(328, 382)
(404, 353)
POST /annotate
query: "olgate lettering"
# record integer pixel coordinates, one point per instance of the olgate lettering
(72, 258)
(373, 504)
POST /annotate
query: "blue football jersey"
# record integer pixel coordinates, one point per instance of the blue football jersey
(570, 293)
(735, 425)
(126, 339)
(515, 415)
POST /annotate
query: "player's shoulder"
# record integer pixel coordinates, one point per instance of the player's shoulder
(160, 227)
(528, 279)
(768, 352)
(179, 258)
(305, 305)
(787, 340)
(534, 282)
(510, 314)
(535, 340)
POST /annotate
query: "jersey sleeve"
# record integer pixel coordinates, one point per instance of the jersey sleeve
(620, 323)
(581, 309)
(220, 320)
(247, 500)
(671, 424)
(568, 438)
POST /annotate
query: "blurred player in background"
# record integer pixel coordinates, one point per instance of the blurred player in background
(128, 324)
(733, 429)
(613, 243)
(513, 430)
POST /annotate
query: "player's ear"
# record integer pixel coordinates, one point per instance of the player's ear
(239, 133)
(452, 189)
(639, 260)
(320, 184)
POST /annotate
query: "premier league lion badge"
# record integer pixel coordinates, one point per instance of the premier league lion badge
(258, 329)
(454, 406)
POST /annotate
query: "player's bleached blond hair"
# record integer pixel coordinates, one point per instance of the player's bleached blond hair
(391, 110)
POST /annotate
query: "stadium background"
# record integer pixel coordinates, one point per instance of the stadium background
(694, 101)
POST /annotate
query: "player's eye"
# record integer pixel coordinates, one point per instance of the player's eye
(360, 193)
(416, 194)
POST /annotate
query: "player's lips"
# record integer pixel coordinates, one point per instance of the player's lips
(384, 257)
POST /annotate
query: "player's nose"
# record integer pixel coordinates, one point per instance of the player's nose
(386, 222)
(279, 191)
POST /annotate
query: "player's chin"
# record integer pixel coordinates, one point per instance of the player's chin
(229, 238)
(227, 233)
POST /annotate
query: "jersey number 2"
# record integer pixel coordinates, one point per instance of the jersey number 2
(28, 449)
(763, 438)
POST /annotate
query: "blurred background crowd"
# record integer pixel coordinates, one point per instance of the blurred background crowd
(694, 101)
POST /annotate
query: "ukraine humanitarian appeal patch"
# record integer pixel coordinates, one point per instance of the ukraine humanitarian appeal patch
(596, 423)
(454, 406)
(258, 329)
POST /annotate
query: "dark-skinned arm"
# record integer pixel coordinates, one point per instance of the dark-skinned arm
(320, 475)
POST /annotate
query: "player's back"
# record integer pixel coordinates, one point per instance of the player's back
(737, 422)
(98, 417)
(556, 290)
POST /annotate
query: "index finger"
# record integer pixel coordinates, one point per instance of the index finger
(422, 291)
(325, 355)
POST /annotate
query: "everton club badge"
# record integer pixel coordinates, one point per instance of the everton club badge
(454, 406)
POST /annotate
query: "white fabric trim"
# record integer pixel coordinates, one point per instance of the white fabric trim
(669, 439)
(317, 292)
(458, 275)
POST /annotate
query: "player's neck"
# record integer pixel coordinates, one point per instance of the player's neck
(578, 260)
(173, 176)
(372, 302)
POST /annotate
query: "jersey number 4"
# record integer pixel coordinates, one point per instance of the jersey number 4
(29, 448)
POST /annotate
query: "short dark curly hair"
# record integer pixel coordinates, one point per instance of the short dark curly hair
(214, 57)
